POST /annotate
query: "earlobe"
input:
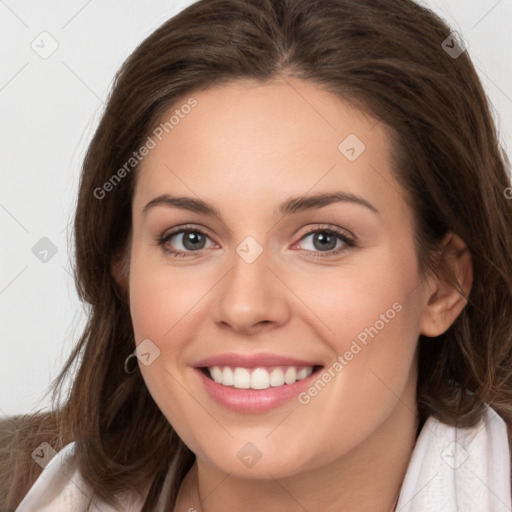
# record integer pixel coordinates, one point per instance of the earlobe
(443, 300)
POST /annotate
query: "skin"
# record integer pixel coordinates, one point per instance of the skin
(246, 148)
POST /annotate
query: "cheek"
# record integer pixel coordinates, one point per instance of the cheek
(371, 373)
(160, 296)
(372, 313)
(161, 306)
(164, 303)
(374, 299)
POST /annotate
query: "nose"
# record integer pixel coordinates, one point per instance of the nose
(252, 296)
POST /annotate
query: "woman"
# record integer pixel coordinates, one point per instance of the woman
(342, 338)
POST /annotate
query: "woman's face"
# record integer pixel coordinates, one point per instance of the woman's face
(272, 282)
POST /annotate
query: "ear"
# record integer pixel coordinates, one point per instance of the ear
(120, 269)
(443, 301)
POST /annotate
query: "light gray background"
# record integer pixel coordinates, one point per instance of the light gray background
(49, 108)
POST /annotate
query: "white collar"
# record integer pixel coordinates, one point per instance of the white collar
(459, 469)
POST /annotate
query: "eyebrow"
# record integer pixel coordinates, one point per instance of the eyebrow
(290, 206)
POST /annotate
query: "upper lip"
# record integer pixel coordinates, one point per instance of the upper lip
(252, 361)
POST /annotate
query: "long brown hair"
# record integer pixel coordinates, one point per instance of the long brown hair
(384, 56)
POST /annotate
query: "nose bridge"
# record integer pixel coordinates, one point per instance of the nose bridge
(250, 293)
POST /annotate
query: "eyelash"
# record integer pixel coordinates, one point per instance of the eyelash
(330, 230)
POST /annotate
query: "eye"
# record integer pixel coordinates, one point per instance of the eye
(325, 240)
(192, 239)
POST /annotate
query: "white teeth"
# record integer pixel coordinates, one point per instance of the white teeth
(216, 374)
(258, 378)
(302, 373)
(276, 377)
(227, 377)
(241, 378)
(291, 375)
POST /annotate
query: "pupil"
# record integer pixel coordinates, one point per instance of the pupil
(324, 239)
(193, 239)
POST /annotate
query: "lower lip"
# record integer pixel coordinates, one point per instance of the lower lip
(254, 400)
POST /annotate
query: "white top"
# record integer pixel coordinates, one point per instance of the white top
(450, 470)
(459, 469)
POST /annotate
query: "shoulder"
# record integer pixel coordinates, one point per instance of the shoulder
(61, 488)
(56, 488)
(449, 464)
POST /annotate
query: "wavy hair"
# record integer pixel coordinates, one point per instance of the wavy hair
(387, 58)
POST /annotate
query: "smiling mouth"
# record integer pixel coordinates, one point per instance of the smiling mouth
(258, 378)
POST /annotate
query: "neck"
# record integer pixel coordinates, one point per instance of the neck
(367, 478)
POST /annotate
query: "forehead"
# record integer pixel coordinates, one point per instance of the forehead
(249, 145)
